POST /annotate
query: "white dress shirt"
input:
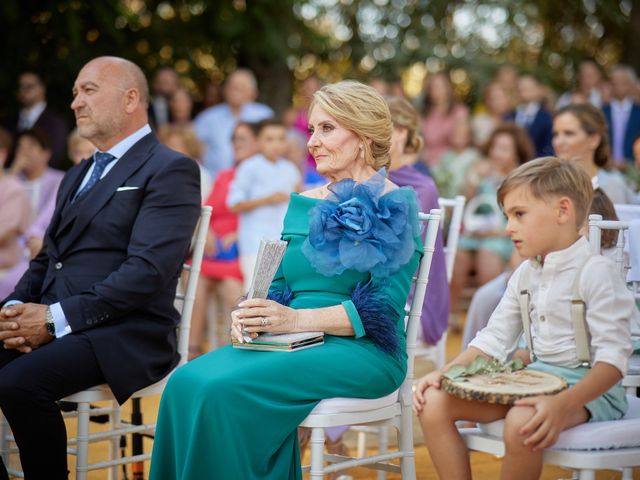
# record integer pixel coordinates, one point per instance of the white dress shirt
(29, 116)
(609, 308)
(620, 112)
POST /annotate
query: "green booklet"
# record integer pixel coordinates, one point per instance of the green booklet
(283, 342)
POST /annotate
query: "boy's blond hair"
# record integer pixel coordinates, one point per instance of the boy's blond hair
(548, 177)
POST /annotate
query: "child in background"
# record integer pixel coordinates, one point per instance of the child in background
(450, 174)
(546, 203)
(260, 193)
(79, 148)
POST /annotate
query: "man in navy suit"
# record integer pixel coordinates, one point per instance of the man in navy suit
(623, 115)
(532, 116)
(96, 304)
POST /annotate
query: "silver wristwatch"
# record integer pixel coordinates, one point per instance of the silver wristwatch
(49, 323)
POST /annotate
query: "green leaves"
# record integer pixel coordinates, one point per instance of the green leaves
(483, 366)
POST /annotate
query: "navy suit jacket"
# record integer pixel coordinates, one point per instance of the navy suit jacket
(631, 132)
(112, 259)
(540, 131)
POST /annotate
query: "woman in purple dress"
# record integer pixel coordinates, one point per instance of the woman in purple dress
(406, 145)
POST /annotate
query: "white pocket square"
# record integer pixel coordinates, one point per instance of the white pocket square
(124, 189)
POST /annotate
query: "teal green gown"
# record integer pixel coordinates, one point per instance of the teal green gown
(233, 414)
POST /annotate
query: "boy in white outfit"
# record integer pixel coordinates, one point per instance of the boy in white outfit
(546, 202)
(260, 193)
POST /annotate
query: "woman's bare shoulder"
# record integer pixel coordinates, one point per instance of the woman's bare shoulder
(318, 192)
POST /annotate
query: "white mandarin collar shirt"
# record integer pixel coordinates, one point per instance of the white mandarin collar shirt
(609, 308)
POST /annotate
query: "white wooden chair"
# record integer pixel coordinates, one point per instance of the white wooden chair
(391, 410)
(79, 445)
(453, 232)
(591, 446)
(451, 208)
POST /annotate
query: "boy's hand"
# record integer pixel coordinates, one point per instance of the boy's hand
(431, 379)
(545, 426)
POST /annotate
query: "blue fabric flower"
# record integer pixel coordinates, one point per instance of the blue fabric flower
(359, 228)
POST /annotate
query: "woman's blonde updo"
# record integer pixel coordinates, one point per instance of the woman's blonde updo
(361, 109)
(404, 115)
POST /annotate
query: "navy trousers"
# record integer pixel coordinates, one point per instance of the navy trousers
(30, 385)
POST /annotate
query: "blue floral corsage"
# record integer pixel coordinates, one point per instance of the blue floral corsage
(359, 228)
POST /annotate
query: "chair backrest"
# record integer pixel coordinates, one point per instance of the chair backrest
(193, 274)
(453, 232)
(596, 225)
(432, 219)
(621, 255)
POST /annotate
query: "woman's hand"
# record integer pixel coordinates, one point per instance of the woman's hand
(259, 315)
(431, 379)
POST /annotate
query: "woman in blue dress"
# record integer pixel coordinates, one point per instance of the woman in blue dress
(353, 246)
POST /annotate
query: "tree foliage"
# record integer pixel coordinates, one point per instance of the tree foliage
(282, 39)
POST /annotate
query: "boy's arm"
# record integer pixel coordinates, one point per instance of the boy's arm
(609, 309)
(247, 205)
(500, 337)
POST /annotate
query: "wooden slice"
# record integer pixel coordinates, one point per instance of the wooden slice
(504, 388)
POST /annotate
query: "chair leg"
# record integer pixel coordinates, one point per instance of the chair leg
(4, 443)
(405, 444)
(114, 443)
(82, 459)
(317, 453)
(587, 474)
(383, 447)
(362, 444)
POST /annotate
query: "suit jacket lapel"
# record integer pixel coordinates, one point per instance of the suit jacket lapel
(67, 189)
(99, 195)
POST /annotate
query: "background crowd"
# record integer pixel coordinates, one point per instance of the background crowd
(251, 160)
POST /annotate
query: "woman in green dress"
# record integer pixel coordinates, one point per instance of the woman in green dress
(353, 246)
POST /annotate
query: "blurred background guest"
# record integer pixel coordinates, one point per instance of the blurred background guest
(484, 247)
(622, 114)
(183, 139)
(214, 126)
(15, 214)
(580, 134)
(41, 183)
(588, 86)
(440, 111)
(35, 113)
(220, 276)
(79, 148)
(531, 115)
(181, 107)
(497, 105)
(211, 95)
(450, 174)
(164, 85)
